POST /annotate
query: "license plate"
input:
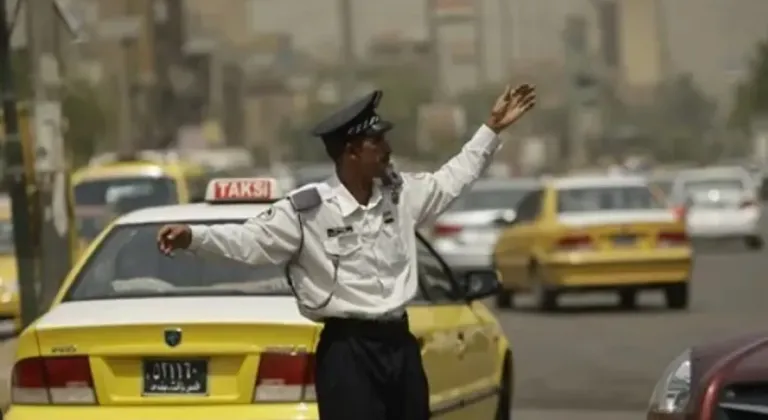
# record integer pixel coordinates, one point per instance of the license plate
(175, 377)
(624, 240)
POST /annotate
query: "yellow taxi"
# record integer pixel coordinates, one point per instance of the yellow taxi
(593, 233)
(9, 286)
(147, 180)
(136, 335)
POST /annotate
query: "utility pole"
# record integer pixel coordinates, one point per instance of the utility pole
(43, 25)
(123, 31)
(583, 91)
(349, 62)
(16, 178)
(435, 52)
(125, 136)
(479, 37)
(505, 35)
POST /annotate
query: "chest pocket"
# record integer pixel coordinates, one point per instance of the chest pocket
(391, 246)
(342, 248)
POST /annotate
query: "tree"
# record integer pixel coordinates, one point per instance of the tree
(676, 125)
(405, 87)
(751, 95)
(86, 118)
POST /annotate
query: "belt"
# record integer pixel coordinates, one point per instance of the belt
(379, 328)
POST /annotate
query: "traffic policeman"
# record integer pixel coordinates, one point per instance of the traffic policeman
(349, 248)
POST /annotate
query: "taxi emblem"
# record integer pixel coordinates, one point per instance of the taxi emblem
(173, 337)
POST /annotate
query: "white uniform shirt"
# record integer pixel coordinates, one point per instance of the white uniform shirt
(364, 255)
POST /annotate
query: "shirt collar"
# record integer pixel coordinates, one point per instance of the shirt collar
(347, 203)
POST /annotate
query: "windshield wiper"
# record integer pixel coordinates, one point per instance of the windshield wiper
(138, 294)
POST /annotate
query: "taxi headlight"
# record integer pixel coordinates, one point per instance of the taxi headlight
(673, 390)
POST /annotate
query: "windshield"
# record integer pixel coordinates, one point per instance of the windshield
(606, 199)
(127, 264)
(97, 202)
(704, 185)
(6, 238)
(501, 198)
(665, 185)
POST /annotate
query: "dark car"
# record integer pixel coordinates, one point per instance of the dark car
(721, 380)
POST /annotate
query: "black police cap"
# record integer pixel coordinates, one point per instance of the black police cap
(356, 120)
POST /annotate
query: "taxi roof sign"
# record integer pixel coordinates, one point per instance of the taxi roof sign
(242, 190)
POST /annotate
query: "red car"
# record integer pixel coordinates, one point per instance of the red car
(722, 380)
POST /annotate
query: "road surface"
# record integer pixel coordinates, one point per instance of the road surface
(594, 357)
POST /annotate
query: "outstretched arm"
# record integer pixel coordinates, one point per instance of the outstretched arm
(269, 238)
(432, 193)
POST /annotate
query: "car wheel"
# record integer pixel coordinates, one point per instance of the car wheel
(544, 296)
(628, 298)
(754, 243)
(504, 407)
(677, 296)
(505, 299)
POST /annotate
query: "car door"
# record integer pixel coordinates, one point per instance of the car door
(518, 238)
(455, 348)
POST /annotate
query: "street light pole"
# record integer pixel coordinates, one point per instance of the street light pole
(43, 25)
(16, 180)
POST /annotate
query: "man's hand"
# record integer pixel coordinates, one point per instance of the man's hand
(173, 237)
(510, 106)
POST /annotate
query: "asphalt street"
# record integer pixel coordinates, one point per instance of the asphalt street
(593, 356)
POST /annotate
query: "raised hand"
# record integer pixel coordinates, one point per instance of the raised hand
(511, 105)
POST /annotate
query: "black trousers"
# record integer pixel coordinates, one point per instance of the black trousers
(370, 370)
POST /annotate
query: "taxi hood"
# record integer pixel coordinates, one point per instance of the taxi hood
(174, 310)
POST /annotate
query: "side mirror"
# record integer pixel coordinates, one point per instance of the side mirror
(506, 217)
(480, 284)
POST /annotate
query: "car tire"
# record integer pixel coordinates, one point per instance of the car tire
(754, 243)
(676, 296)
(504, 406)
(505, 299)
(628, 299)
(545, 297)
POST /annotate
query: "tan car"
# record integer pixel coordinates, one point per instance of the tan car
(593, 233)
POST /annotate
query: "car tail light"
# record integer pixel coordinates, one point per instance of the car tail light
(442, 229)
(53, 380)
(747, 204)
(574, 243)
(672, 239)
(680, 212)
(285, 377)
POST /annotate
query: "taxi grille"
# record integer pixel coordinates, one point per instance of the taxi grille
(743, 401)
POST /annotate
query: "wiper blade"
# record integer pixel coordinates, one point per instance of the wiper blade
(173, 293)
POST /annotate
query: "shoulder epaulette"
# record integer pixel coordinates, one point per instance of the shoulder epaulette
(305, 199)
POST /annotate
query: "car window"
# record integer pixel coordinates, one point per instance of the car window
(722, 184)
(127, 264)
(99, 201)
(435, 281)
(6, 238)
(156, 191)
(486, 198)
(608, 198)
(529, 207)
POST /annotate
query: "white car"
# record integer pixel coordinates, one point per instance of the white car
(720, 203)
(465, 235)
